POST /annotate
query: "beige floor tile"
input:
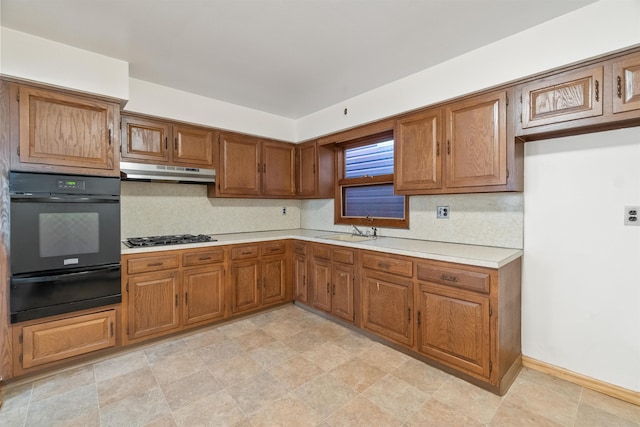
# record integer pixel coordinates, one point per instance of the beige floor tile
(422, 376)
(62, 383)
(327, 356)
(235, 370)
(219, 351)
(187, 389)
(257, 392)
(384, 357)
(120, 365)
(354, 343)
(325, 394)
(139, 409)
(283, 328)
(469, 400)
(302, 341)
(13, 417)
(437, 414)
(166, 349)
(328, 330)
(509, 415)
(288, 411)
(272, 354)
(170, 369)
(357, 374)
(615, 406)
(15, 397)
(588, 416)
(295, 371)
(360, 412)
(238, 328)
(166, 421)
(204, 338)
(253, 340)
(216, 410)
(78, 407)
(123, 386)
(395, 396)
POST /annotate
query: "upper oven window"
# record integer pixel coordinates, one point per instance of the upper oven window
(72, 233)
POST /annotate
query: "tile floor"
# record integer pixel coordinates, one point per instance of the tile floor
(289, 367)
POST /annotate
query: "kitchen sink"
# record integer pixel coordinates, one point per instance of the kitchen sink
(347, 237)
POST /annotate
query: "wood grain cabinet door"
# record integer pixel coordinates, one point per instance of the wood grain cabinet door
(203, 294)
(240, 165)
(192, 146)
(145, 140)
(321, 285)
(476, 148)
(418, 160)
(61, 339)
(273, 279)
(387, 307)
(300, 278)
(307, 169)
(564, 97)
(453, 328)
(626, 74)
(278, 168)
(153, 304)
(342, 288)
(245, 285)
(64, 130)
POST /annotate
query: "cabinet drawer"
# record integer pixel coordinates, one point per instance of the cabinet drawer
(399, 267)
(275, 248)
(242, 252)
(472, 280)
(344, 256)
(322, 252)
(300, 248)
(201, 258)
(152, 263)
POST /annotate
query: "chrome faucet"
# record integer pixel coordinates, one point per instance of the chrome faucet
(357, 232)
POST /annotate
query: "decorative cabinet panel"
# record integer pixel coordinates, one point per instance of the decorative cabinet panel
(245, 285)
(153, 304)
(203, 289)
(60, 132)
(314, 170)
(626, 74)
(333, 281)
(192, 146)
(563, 97)
(278, 169)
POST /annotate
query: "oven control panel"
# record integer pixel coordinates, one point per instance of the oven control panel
(68, 184)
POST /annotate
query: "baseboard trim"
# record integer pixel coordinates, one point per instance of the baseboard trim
(583, 380)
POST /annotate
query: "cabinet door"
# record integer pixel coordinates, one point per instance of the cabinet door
(627, 84)
(342, 291)
(192, 146)
(454, 328)
(307, 174)
(69, 131)
(245, 285)
(300, 278)
(240, 165)
(61, 339)
(278, 167)
(153, 304)
(557, 99)
(477, 141)
(203, 294)
(273, 279)
(145, 140)
(321, 285)
(387, 304)
(418, 164)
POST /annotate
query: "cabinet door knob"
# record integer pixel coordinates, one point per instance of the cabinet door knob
(619, 86)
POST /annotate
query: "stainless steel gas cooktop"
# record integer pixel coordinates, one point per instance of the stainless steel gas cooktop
(177, 239)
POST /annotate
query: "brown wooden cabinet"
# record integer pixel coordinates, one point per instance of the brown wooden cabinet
(300, 272)
(153, 304)
(253, 167)
(387, 297)
(203, 289)
(258, 276)
(626, 75)
(156, 141)
(55, 131)
(333, 281)
(315, 167)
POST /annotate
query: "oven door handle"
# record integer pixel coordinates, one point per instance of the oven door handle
(64, 198)
(39, 279)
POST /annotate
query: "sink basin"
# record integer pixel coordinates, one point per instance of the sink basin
(346, 237)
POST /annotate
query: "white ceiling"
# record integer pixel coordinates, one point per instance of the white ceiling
(286, 57)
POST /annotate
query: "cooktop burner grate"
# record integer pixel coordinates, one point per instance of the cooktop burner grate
(177, 239)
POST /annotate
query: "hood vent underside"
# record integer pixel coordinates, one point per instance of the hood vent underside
(166, 173)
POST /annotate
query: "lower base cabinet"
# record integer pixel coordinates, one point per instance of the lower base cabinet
(203, 294)
(333, 281)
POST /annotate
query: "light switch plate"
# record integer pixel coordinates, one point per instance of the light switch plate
(631, 215)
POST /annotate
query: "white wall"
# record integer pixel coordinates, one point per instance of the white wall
(33, 58)
(581, 270)
(600, 28)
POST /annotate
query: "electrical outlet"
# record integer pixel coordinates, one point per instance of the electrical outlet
(631, 215)
(284, 211)
(442, 212)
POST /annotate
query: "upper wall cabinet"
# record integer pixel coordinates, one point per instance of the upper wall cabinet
(314, 170)
(53, 131)
(603, 95)
(156, 141)
(252, 167)
(463, 147)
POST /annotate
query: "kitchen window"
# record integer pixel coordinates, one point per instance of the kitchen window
(364, 194)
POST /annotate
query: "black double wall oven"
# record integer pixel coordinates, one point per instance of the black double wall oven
(65, 243)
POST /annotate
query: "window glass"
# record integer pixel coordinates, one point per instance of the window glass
(373, 201)
(369, 160)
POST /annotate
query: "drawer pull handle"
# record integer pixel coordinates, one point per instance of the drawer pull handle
(449, 278)
(155, 264)
(111, 329)
(597, 91)
(247, 253)
(334, 289)
(274, 249)
(383, 265)
(204, 258)
(328, 288)
(619, 86)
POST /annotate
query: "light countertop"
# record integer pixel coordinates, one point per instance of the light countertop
(482, 256)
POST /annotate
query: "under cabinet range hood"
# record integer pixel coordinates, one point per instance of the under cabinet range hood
(166, 173)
